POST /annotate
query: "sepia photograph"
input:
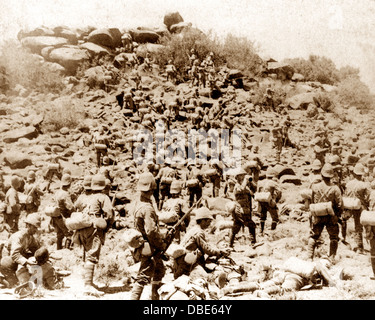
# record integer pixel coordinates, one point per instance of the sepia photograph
(213, 152)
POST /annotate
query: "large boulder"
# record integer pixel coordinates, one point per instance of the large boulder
(36, 44)
(282, 70)
(144, 36)
(107, 37)
(95, 49)
(302, 100)
(65, 32)
(179, 27)
(29, 132)
(149, 47)
(69, 57)
(172, 18)
(38, 32)
(17, 160)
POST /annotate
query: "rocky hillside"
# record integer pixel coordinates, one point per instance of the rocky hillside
(38, 128)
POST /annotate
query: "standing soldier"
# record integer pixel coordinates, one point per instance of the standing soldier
(321, 145)
(171, 71)
(99, 207)
(215, 177)
(202, 74)
(165, 176)
(277, 142)
(175, 205)
(325, 192)
(81, 203)
(370, 231)
(12, 202)
(242, 210)
(146, 221)
(356, 188)
(254, 156)
(64, 202)
(105, 169)
(33, 193)
(285, 131)
(194, 183)
(101, 144)
(271, 186)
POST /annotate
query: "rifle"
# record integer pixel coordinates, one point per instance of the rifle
(172, 231)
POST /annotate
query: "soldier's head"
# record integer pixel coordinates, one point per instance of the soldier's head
(146, 184)
(66, 180)
(335, 161)
(98, 183)
(316, 166)
(87, 183)
(31, 176)
(240, 174)
(33, 223)
(15, 182)
(327, 172)
(176, 188)
(203, 217)
(359, 171)
(106, 160)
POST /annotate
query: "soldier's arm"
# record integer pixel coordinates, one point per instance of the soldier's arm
(152, 229)
(205, 247)
(17, 248)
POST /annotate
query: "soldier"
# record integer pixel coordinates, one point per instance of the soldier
(12, 202)
(64, 201)
(101, 144)
(202, 78)
(146, 221)
(19, 252)
(81, 203)
(242, 210)
(271, 186)
(285, 125)
(269, 103)
(321, 145)
(193, 262)
(277, 142)
(370, 231)
(105, 169)
(171, 71)
(176, 204)
(254, 156)
(127, 42)
(215, 178)
(31, 189)
(335, 162)
(165, 176)
(192, 57)
(359, 189)
(336, 148)
(194, 183)
(99, 207)
(326, 191)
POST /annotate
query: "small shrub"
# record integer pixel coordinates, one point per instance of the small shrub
(62, 113)
(21, 67)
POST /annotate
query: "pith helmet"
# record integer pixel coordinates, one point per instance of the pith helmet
(335, 161)
(146, 182)
(33, 219)
(31, 176)
(328, 171)
(87, 182)
(316, 165)
(98, 182)
(203, 213)
(359, 169)
(66, 180)
(15, 182)
(240, 172)
(176, 187)
(250, 165)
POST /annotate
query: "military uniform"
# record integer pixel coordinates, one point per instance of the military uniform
(370, 233)
(12, 202)
(64, 201)
(31, 189)
(356, 188)
(277, 142)
(195, 190)
(242, 212)
(165, 176)
(326, 192)
(269, 185)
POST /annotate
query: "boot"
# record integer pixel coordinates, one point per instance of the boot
(231, 241)
(310, 249)
(252, 236)
(262, 223)
(154, 290)
(273, 225)
(343, 231)
(89, 289)
(373, 267)
(333, 249)
(59, 245)
(68, 243)
(136, 292)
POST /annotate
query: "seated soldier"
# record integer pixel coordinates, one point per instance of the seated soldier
(192, 263)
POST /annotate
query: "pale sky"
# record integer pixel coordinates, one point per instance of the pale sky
(343, 30)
